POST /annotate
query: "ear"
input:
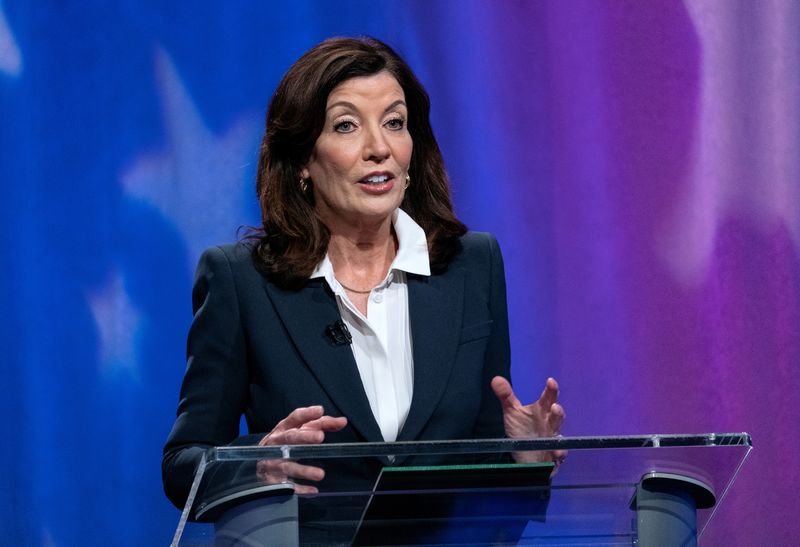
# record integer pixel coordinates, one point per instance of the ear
(304, 173)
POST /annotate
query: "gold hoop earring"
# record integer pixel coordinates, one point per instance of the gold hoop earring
(408, 182)
(303, 185)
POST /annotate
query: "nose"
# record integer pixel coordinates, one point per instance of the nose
(375, 146)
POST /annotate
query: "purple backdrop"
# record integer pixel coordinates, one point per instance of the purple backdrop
(650, 196)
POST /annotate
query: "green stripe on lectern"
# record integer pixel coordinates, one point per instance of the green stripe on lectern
(468, 467)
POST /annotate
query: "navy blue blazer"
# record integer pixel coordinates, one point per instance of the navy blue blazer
(258, 350)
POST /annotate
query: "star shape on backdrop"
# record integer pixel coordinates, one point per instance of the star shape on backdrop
(197, 178)
(118, 323)
(746, 163)
(10, 55)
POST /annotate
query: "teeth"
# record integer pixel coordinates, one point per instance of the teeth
(377, 179)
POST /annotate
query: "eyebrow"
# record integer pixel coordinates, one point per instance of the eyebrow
(351, 106)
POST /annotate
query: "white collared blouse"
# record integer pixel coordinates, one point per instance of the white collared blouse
(382, 344)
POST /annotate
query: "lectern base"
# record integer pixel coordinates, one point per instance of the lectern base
(666, 509)
(266, 521)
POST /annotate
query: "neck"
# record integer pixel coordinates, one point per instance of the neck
(361, 255)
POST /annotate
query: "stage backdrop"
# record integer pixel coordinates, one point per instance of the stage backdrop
(638, 161)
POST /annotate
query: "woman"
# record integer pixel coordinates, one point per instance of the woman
(363, 310)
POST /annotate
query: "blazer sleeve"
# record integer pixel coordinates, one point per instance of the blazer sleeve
(498, 350)
(214, 390)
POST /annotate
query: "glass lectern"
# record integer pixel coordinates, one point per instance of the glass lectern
(623, 490)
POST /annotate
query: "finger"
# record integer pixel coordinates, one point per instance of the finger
(503, 390)
(298, 488)
(278, 471)
(299, 416)
(557, 414)
(270, 472)
(327, 423)
(311, 432)
(296, 436)
(559, 457)
(305, 489)
(295, 470)
(555, 418)
(550, 393)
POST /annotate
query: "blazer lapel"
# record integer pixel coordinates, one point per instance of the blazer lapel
(306, 314)
(435, 310)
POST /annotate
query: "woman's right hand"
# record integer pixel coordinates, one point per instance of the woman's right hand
(306, 425)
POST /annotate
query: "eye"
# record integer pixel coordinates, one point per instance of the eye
(344, 126)
(396, 123)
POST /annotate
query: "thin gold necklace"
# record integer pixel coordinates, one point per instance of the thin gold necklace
(355, 290)
(368, 290)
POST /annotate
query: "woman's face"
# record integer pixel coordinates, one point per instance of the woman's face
(360, 160)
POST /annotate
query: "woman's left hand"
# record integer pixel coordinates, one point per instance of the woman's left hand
(540, 419)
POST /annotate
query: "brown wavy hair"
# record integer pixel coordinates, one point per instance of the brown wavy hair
(292, 239)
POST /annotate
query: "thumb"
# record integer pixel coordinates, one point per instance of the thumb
(503, 390)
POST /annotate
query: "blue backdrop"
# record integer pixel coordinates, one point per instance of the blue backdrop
(638, 162)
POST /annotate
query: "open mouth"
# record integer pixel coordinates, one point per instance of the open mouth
(376, 179)
(377, 183)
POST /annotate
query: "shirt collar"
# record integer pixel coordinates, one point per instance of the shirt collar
(412, 251)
